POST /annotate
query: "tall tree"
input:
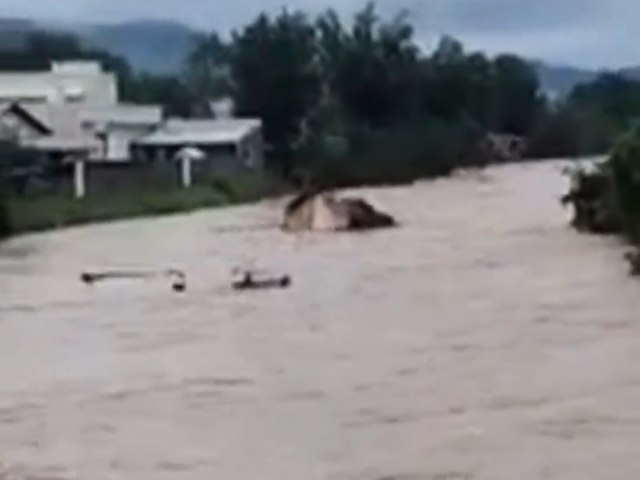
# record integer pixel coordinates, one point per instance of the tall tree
(207, 72)
(373, 65)
(275, 77)
(518, 95)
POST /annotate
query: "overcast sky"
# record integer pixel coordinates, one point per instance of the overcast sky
(594, 33)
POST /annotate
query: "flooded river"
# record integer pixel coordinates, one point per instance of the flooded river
(481, 340)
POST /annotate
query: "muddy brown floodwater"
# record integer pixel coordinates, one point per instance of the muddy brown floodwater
(481, 340)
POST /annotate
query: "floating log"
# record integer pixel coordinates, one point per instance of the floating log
(178, 277)
(252, 281)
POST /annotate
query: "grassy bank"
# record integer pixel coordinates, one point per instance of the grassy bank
(22, 214)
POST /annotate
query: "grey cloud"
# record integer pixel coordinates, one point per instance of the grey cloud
(582, 32)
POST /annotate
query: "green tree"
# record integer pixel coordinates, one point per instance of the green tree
(207, 74)
(625, 165)
(518, 97)
(372, 68)
(275, 77)
(168, 91)
(445, 86)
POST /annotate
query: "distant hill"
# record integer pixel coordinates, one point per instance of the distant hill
(161, 47)
(148, 45)
(559, 81)
(151, 46)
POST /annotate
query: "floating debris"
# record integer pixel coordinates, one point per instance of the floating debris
(178, 277)
(314, 211)
(634, 262)
(248, 280)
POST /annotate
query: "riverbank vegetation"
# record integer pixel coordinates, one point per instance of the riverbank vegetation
(21, 214)
(606, 199)
(30, 199)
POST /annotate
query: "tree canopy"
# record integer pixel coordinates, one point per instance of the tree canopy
(324, 82)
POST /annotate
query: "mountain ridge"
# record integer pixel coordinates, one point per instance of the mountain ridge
(160, 46)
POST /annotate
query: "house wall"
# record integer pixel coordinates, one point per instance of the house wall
(120, 138)
(61, 85)
(13, 128)
(221, 160)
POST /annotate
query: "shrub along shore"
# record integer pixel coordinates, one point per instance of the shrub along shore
(22, 214)
(606, 200)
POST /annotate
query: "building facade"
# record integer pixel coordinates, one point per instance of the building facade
(223, 146)
(79, 98)
(73, 114)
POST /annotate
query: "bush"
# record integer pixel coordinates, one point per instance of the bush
(607, 200)
(390, 155)
(592, 195)
(625, 166)
(54, 211)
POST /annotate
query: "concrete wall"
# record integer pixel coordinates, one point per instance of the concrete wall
(64, 85)
(119, 139)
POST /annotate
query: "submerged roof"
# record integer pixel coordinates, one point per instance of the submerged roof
(201, 132)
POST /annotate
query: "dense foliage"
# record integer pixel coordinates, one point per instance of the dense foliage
(624, 164)
(351, 102)
(607, 199)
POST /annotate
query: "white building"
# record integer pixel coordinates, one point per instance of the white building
(73, 113)
(77, 82)
(118, 126)
(79, 97)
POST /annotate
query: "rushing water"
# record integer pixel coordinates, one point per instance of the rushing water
(483, 339)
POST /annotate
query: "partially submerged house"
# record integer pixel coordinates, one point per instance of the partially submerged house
(317, 213)
(324, 212)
